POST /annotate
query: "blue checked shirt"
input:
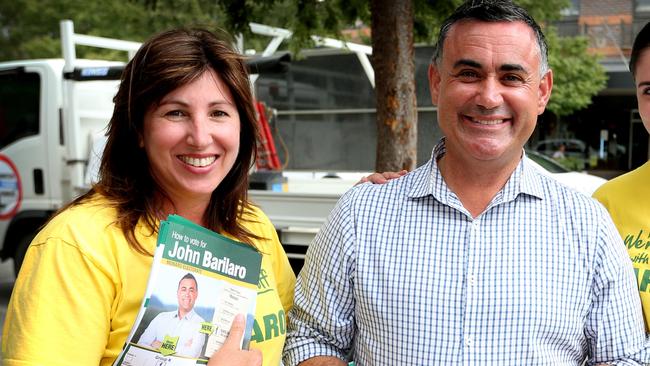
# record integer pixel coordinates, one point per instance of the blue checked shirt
(401, 274)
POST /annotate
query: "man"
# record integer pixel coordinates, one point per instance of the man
(474, 258)
(183, 323)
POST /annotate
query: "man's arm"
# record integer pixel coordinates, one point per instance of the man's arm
(149, 336)
(322, 322)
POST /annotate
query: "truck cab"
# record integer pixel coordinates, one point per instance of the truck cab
(48, 120)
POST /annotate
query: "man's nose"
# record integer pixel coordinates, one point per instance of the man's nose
(489, 94)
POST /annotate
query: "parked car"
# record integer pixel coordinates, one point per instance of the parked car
(574, 154)
(578, 180)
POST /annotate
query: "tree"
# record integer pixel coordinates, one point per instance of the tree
(30, 29)
(577, 74)
(392, 24)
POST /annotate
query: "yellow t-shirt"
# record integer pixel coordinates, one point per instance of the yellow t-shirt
(81, 286)
(627, 198)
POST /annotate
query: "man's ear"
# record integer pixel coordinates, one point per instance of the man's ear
(545, 87)
(434, 83)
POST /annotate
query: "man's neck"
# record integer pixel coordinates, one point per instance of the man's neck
(182, 314)
(475, 183)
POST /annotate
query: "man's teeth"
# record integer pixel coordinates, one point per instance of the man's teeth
(198, 162)
(488, 122)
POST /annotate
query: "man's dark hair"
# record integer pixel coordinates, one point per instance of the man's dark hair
(190, 277)
(492, 11)
(641, 42)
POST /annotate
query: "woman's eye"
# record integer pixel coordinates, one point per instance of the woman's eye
(219, 114)
(175, 113)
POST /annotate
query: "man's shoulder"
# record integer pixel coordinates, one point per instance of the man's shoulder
(394, 190)
(565, 198)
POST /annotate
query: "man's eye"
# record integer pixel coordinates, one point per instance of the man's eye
(468, 74)
(512, 78)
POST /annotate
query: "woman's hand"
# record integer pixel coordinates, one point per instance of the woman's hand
(381, 178)
(229, 354)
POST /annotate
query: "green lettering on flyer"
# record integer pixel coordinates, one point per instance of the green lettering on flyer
(208, 328)
(168, 346)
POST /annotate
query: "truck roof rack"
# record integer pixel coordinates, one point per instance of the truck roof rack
(94, 73)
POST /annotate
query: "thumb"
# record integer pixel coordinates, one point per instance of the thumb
(236, 332)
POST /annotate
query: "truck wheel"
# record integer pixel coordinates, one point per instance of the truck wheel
(19, 254)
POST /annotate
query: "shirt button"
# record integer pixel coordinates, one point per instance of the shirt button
(472, 280)
(468, 341)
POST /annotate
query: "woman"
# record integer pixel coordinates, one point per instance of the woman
(181, 140)
(627, 197)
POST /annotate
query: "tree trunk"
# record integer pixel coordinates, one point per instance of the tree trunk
(394, 64)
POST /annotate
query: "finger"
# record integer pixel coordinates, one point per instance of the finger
(390, 175)
(393, 175)
(236, 332)
(256, 357)
(377, 178)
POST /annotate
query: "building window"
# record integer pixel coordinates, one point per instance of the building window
(572, 10)
(642, 5)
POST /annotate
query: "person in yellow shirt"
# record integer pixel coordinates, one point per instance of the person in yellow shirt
(627, 197)
(181, 141)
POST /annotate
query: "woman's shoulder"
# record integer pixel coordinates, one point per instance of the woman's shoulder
(255, 218)
(256, 222)
(93, 212)
(89, 223)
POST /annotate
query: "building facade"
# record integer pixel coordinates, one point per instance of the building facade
(610, 126)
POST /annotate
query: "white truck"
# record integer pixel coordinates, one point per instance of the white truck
(53, 114)
(50, 112)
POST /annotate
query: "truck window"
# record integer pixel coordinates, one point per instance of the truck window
(19, 106)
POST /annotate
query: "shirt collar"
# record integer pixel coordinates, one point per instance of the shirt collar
(427, 180)
(187, 316)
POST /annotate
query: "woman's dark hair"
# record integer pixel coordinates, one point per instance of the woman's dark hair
(165, 62)
(641, 42)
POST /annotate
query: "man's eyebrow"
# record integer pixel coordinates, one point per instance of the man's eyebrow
(467, 62)
(477, 65)
(512, 67)
(643, 83)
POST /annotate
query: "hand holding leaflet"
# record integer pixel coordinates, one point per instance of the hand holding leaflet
(231, 353)
(200, 283)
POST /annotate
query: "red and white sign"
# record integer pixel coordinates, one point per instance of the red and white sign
(11, 192)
